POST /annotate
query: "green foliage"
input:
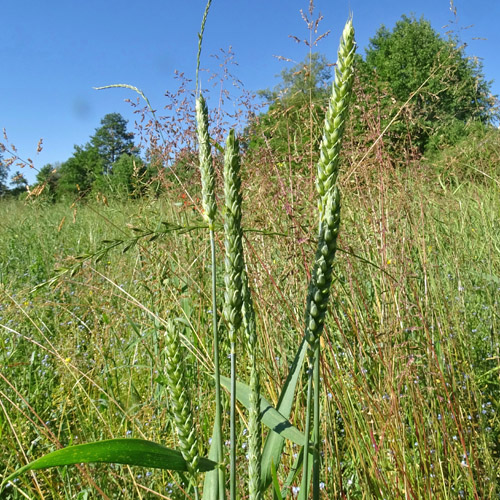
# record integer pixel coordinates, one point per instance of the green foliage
(185, 165)
(4, 171)
(271, 417)
(291, 127)
(409, 359)
(111, 140)
(447, 86)
(308, 76)
(78, 174)
(474, 157)
(47, 181)
(107, 163)
(409, 353)
(19, 183)
(420, 86)
(128, 177)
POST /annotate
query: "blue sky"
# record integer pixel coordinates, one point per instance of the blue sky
(53, 53)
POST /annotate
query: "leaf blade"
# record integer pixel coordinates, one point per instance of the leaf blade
(123, 451)
(211, 484)
(274, 443)
(271, 417)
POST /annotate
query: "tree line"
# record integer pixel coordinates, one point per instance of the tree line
(415, 92)
(108, 163)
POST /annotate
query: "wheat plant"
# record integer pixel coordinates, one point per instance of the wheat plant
(329, 221)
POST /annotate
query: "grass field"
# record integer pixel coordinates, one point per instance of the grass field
(411, 356)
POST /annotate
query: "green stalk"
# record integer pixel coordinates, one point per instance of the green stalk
(316, 416)
(218, 397)
(329, 220)
(232, 426)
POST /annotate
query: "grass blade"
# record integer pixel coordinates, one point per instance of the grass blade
(276, 485)
(119, 451)
(211, 484)
(271, 417)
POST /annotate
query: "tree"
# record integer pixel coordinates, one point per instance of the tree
(128, 175)
(449, 88)
(308, 76)
(47, 180)
(92, 165)
(291, 127)
(78, 173)
(111, 140)
(4, 170)
(19, 182)
(49, 173)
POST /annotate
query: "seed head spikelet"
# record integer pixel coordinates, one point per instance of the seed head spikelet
(336, 116)
(321, 279)
(206, 165)
(181, 410)
(233, 235)
(317, 302)
(234, 266)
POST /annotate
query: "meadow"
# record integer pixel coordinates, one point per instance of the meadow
(410, 365)
(121, 314)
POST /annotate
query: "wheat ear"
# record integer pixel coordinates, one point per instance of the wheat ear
(181, 408)
(206, 164)
(336, 116)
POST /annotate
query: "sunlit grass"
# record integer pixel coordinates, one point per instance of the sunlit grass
(411, 355)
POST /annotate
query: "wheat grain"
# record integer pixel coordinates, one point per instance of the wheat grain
(336, 116)
(181, 410)
(206, 164)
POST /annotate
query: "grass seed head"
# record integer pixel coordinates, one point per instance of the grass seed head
(233, 234)
(181, 409)
(319, 289)
(336, 116)
(206, 164)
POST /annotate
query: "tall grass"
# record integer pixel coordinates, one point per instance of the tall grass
(407, 376)
(410, 365)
